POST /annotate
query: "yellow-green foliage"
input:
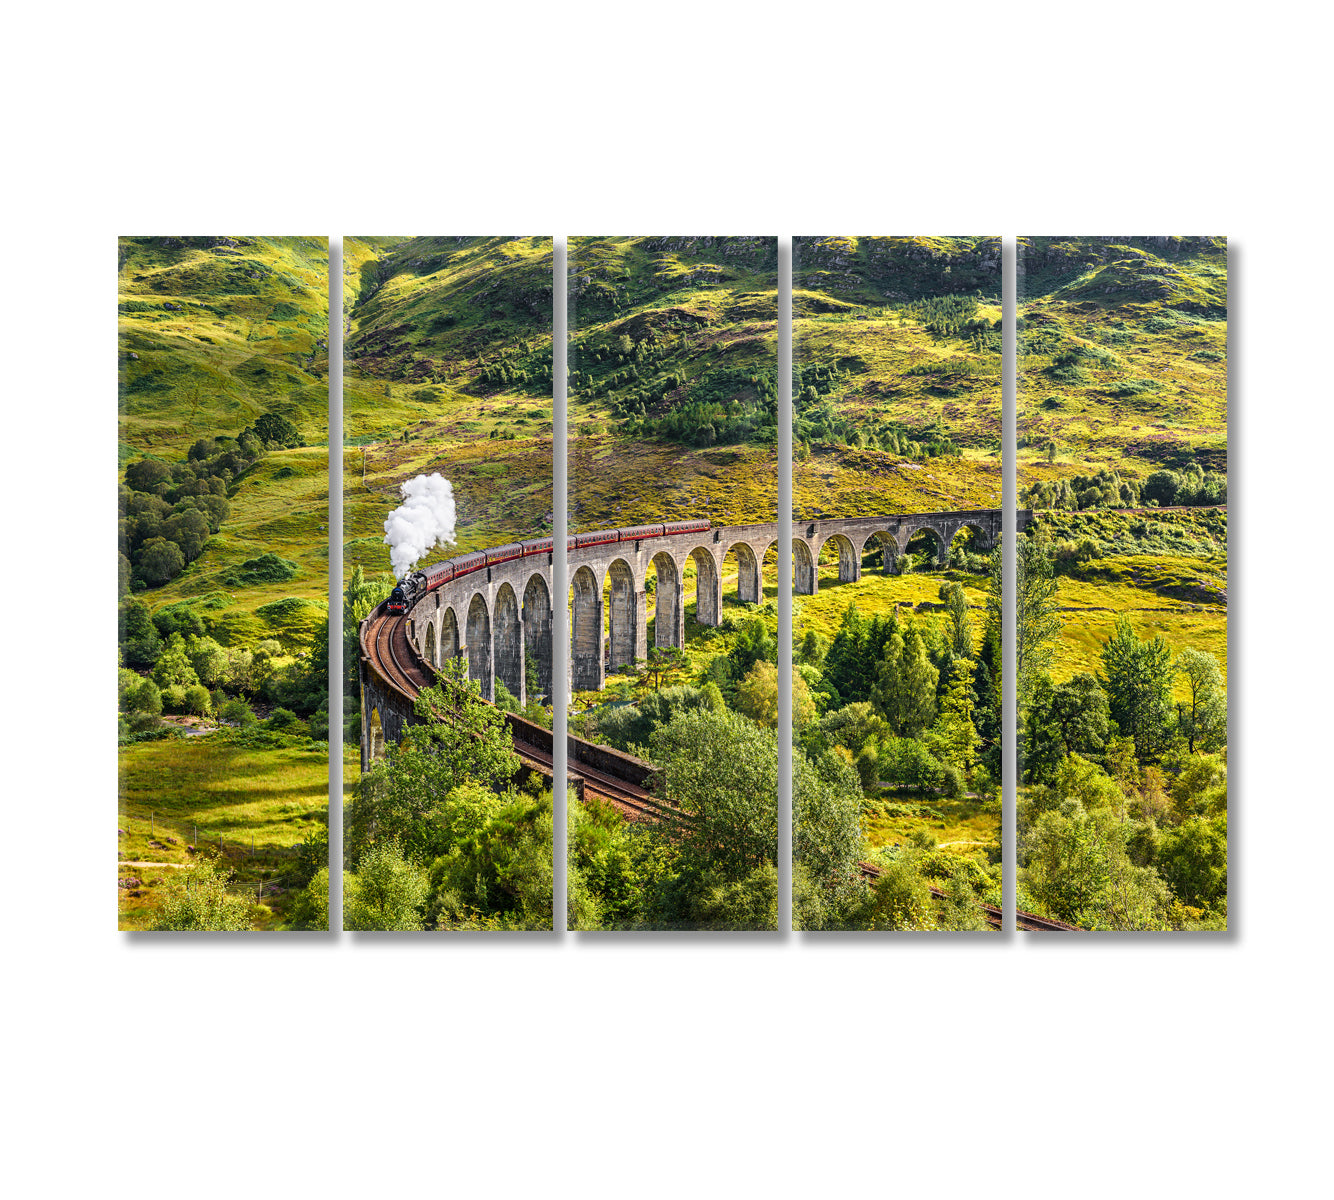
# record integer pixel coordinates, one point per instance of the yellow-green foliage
(852, 310)
(249, 334)
(709, 306)
(426, 319)
(1122, 355)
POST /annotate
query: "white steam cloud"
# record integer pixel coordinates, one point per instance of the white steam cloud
(423, 521)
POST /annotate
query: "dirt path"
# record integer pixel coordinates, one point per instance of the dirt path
(178, 866)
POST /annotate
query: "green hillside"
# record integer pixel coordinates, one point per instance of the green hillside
(214, 332)
(896, 374)
(673, 379)
(447, 368)
(1122, 356)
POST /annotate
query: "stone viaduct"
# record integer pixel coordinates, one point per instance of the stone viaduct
(497, 617)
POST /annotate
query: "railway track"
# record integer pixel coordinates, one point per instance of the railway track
(385, 641)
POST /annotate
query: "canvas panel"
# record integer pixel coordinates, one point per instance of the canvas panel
(896, 520)
(448, 561)
(223, 468)
(1122, 582)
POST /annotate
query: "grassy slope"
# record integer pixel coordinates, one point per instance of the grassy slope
(249, 335)
(423, 318)
(1137, 308)
(844, 290)
(1152, 310)
(725, 292)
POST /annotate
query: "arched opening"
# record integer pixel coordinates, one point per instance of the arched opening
(507, 643)
(449, 635)
(479, 646)
(839, 561)
(805, 582)
(627, 632)
(880, 552)
(376, 735)
(430, 648)
(769, 573)
(708, 586)
(585, 632)
(925, 549)
(669, 609)
(967, 546)
(741, 559)
(537, 634)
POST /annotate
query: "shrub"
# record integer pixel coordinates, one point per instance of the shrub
(198, 701)
(281, 718)
(237, 712)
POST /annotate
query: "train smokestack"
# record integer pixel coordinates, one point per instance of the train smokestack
(423, 521)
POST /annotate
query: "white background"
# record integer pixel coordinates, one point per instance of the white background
(467, 1066)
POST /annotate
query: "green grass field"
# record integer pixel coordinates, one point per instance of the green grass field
(270, 798)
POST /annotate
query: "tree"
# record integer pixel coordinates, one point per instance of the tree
(310, 909)
(197, 899)
(826, 818)
(956, 609)
(140, 642)
(1202, 718)
(197, 700)
(189, 530)
(1137, 676)
(148, 475)
(720, 771)
(1036, 622)
(159, 561)
(905, 687)
(1161, 488)
(385, 892)
(276, 430)
(208, 659)
(462, 739)
(173, 665)
(1075, 865)
(757, 696)
(954, 738)
(1193, 860)
(1072, 718)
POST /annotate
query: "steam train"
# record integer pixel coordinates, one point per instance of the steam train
(416, 585)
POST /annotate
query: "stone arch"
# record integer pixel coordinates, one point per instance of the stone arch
(449, 635)
(669, 610)
(849, 561)
(586, 669)
(771, 564)
(933, 535)
(537, 630)
(708, 587)
(968, 536)
(805, 580)
(747, 572)
(375, 735)
(507, 643)
(429, 651)
(479, 646)
(627, 616)
(889, 550)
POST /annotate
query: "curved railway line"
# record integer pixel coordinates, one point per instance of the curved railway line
(385, 642)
